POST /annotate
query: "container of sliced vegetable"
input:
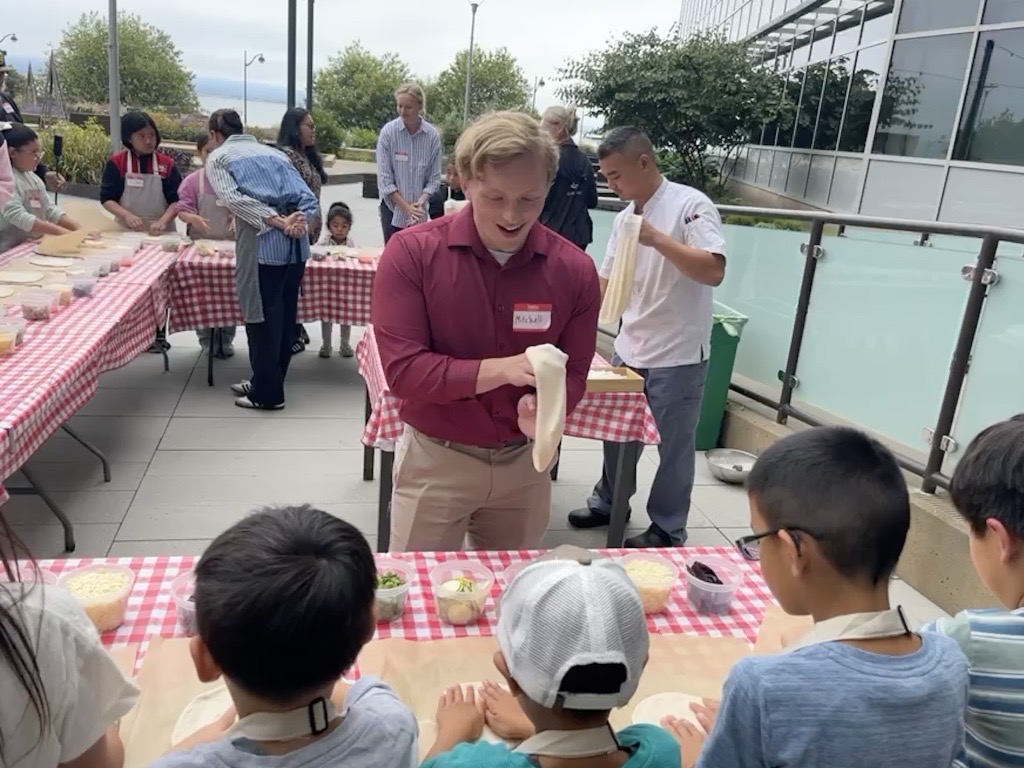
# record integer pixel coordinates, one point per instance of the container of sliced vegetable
(461, 589)
(394, 578)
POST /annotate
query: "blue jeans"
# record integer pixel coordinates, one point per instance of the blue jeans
(674, 395)
(270, 342)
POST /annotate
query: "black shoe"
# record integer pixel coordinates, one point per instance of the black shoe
(302, 335)
(298, 347)
(588, 518)
(652, 538)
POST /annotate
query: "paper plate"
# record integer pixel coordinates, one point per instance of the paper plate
(21, 277)
(651, 710)
(203, 710)
(56, 262)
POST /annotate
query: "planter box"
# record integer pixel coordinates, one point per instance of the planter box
(370, 190)
(88, 191)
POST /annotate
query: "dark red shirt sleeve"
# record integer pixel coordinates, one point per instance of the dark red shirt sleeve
(402, 329)
(579, 337)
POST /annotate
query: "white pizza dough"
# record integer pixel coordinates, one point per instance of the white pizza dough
(52, 261)
(204, 709)
(548, 363)
(6, 292)
(20, 277)
(661, 705)
(620, 282)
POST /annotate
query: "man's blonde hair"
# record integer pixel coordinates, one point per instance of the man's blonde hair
(563, 116)
(416, 91)
(498, 137)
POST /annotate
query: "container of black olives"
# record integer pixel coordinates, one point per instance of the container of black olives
(711, 584)
(183, 595)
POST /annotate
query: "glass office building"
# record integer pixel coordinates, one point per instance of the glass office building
(900, 108)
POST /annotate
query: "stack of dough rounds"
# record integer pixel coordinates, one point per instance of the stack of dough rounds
(548, 363)
(620, 283)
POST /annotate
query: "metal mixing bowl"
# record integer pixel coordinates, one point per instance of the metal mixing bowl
(730, 465)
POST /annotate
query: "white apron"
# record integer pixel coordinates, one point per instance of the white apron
(212, 209)
(144, 194)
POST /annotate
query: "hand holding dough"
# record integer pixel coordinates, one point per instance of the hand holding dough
(548, 363)
(620, 283)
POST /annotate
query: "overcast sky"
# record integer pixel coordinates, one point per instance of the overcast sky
(542, 34)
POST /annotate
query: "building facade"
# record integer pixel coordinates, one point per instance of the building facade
(899, 108)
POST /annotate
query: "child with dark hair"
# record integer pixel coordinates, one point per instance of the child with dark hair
(338, 232)
(830, 513)
(988, 492)
(572, 645)
(284, 604)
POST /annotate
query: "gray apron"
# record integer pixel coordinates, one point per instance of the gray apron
(247, 272)
(212, 209)
(144, 194)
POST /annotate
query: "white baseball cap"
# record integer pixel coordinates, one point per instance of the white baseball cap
(561, 614)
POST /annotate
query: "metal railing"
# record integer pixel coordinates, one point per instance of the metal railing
(981, 275)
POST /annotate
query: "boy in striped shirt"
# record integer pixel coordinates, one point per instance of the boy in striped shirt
(988, 491)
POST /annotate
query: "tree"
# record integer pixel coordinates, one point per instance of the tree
(15, 85)
(700, 99)
(497, 83)
(357, 88)
(152, 75)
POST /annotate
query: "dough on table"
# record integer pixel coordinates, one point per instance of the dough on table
(6, 292)
(204, 709)
(548, 363)
(20, 277)
(428, 728)
(661, 705)
(620, 282)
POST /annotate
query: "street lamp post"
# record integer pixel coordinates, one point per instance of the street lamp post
(245, 83)
(113, 75)
(538, 82)
(11, 35)
(469, 62)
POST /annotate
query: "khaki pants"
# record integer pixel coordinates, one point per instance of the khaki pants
(445, 491)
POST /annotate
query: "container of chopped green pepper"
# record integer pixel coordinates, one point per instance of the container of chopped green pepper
(394, 578)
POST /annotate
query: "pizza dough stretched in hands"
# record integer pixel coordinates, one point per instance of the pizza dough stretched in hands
(620, 282)
(654, 708)
(548, 363)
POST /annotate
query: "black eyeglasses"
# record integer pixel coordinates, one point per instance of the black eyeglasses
(750, 546)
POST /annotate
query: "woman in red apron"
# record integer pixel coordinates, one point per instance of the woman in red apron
(140, 185)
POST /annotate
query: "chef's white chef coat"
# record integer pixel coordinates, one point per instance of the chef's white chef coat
(668, 320)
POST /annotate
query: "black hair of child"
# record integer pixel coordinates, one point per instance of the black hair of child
(592, 678)
(19, 135)
(134, 121)
(226, 122)
(284, 600)
(989, 480)
(844, 489)
(339, 209)
(201, 141)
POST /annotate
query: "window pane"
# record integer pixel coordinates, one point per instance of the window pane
(999, 11)
(922, 91)
(810, 98)
(867, 79)
(992, 128)
(877, 23)
(848, 34)
(794, 85)
(924, 15)
(833, 102)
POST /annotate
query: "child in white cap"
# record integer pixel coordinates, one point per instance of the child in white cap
(573, 642)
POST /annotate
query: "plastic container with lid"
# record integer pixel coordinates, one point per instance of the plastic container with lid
(653, 576)
(461, 589)
(8, 340)
(83, 285)
(182, 590)
(103, 591)
(391, 600)
(101, 266)
(88, 268)
(36, 305)
(63, 291)
(16, 324)
(710, 598)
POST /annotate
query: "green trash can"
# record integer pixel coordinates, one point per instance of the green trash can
(725, 339)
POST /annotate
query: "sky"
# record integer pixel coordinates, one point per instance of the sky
(542, 34)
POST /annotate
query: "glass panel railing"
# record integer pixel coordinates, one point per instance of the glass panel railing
(881, 329)
(994, 387)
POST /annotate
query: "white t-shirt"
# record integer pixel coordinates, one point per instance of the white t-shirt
(85, 690)
(668, 320)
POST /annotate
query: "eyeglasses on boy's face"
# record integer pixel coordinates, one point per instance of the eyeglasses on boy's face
(750, 546)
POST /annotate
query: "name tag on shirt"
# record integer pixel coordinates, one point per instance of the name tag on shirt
(35, 203)
(135, 183)
(531, 318)
(8, 108)
(401, 157)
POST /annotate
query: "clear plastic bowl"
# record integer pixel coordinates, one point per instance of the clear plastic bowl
(30, 572)
(713, 598)
(391, 601)
(88, 268)
(36, 306)
(460, 608)
(16, 325)
(182, 589)
(101, 266)
(63, 290)
(8, 339)
(510, 573)
(105, 610)
(654, 590)
(83, 285)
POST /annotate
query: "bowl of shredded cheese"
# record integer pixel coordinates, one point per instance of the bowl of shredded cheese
(103, 591)
(654, 578)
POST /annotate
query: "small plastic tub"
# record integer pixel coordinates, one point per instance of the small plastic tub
(101, 267)
(713, 598)
(113, 263)
(126, 259)
(8, 340)
(391, 599)
(17, 326)
(461, 589)
(63, 290)
(510, 573)
(36, 306)
(83, 285)
(103, 591)
(84, 269)
(170, 243)
(653, 576)
(182, 591)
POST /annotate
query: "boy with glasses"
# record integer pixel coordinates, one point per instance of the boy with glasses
(830, 513)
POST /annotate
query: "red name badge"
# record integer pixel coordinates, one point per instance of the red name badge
(531, 318)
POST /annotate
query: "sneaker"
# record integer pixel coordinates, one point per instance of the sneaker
(242, 388)
(298, 347)
(228, 349)
(245, 402)
(345, 349)
(326, 351)
(302, 335)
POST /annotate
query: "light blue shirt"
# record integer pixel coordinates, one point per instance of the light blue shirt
(378, 730)
(651, 747)
(408, 163)
(257, 182)
(837, 706)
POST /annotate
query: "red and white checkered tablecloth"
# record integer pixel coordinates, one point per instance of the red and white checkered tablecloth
(203, 292)
(618, 417)
(152, 612)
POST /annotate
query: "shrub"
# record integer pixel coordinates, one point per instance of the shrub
(180, 127)
(86, 150)
(360, 138)
(764, 222)
(330, 138)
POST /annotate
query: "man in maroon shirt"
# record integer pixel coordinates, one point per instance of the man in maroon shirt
(456, 302)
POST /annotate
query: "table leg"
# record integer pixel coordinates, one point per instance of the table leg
(91, 449)
(625, 469)
(163, 349)
(368, 450)
(387, 462)
(37, 490)
(209, 359)
(558, 460)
